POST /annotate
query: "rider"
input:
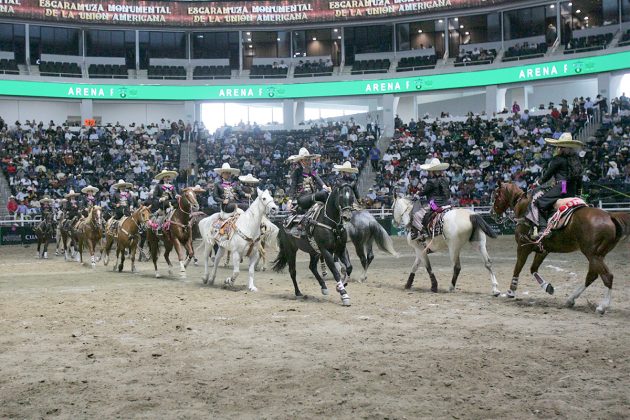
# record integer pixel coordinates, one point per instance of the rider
(250, 190)
(437, 191)
(227, 191)
(71, 207)
(164, 196)
(565, 167)
(347, 175)
(46, 206)
(89, 200)
(306, 186)
(122, 202)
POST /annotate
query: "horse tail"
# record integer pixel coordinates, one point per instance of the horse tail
(622, 225)
(479, 223)
(281, 260)
(382, 238)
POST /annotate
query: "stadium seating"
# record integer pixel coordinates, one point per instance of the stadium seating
(312, 69)
(212, 72)
(371, 66)
(108, 71)
(56, 68)
(8, 67)
(422, 62)
(468, 58)
(167, 72)
(268, 71)
(526, 51)
(625, 39)
(589, 43)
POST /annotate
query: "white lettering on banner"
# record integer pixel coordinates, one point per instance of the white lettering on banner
(88, 92)
(236, 93)
(383, 87)
(289, 8)
(411, 6)
(6, 9)
(543, 71)
(146, 10)
(11, 2)
(67, 5)
(226, 10)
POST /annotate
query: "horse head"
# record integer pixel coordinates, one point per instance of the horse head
(401, 208)
(344, 200)
(189, 200)
(266, 201)
(143, 214)
(97, 215)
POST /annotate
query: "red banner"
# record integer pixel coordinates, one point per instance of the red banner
(238, 13)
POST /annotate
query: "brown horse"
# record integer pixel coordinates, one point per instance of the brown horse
(45, 231)
(88, 232)
(177, 234)
(592, 231)
(127, 238)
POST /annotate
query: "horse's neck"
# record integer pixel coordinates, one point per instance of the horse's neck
(250, 220)
(518, 201)
(331, 211)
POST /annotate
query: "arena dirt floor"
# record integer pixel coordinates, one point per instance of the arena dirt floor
(82, 343)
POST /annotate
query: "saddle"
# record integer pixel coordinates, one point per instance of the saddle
(565, 207)
(225, 228)
(435, 224)
(296, 223)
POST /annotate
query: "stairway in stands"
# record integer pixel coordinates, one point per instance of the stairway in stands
(187, 155)
(367, 177)
(5, 192)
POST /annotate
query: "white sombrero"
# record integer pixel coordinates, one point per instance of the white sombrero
(165, 173)
(565, 140)
(303, 154)
(45, 199)
(484, 164)
(122, 184)
(71, 194)
(89, 189)
(434, 165)
(60, 175)
(227, 168)
(40, 168)
(249, 179)
(346, 167)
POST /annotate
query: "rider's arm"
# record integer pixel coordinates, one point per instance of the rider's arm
(552, 169)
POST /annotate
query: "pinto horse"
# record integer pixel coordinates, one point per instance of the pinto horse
(89, 232)
(327, 237)
(127, 238)
(591, 230)
(177, 234)
(45, 231)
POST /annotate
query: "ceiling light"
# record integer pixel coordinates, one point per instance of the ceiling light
(461, 26)
(339, 37)
(251, 46)
(336, 30)
(277, 39)
(552, 6)
(456, 19)
(419, 31)
(314, 39)
(440, 21)
(467, 33)
(249, 40)
(585, 17)
(578, 11)
(570, 4)
(248, 33)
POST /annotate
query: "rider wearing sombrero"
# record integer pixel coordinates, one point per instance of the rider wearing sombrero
(566, 169)
(89, 200)
(306, 186)
(71, 207)
(437, 191)
(347, 175)
(227, 191)
(164, 196)
(122, 202)
(45, 206)
(250, 190)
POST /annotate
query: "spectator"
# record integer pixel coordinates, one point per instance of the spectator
(12, 206)
(516, 108)
(375, 156)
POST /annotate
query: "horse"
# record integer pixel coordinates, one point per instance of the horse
(175, 233)
(68, 237)
(58, 236)
(460, 227)
(326, 236)
(89, 231)
(127, 238)
(593, 231)
(45, 231)
(244, 241)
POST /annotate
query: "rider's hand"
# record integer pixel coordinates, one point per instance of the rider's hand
(327, 188)
(225, 201)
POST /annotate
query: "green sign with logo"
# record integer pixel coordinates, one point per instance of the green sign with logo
(201, 92)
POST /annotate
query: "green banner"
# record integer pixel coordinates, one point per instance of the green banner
(201, 92)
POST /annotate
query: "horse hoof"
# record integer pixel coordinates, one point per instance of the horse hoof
(496, 293)
(325, 292)
(158, 275)
(434, 289)
(549, 289)
(451, 288)
(253, 289)
(600, 310)
(93, 265)
(510, 294)
(570, 303)
(345, 301)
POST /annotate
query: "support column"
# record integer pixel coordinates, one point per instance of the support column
(190, 111)
(495, 99)
(299, 112)
(288, 111)
(604, 85)
(87, 110)
(389, 103)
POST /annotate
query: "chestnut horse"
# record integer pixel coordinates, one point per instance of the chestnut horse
(127, 237)
(591, 230)
(88, 232)
(176, 234)
(45, 231)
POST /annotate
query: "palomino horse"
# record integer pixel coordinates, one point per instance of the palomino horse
(460, 227)
(176, 234)
(89, 232)
(45, 231)
(327, 237)
(244, 241)
(591, 230)
(127, 238)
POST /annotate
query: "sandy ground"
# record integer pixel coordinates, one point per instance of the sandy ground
(82, 343)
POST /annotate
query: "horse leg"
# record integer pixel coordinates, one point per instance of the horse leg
(236, 261)
(522, 252)
(360, 248)
(92, 248)
(313, 267)
(292, 271)
(217, 257)
(590, 278)
(154, 246)
(488, 264)
(227, 259)
(181, 256)
(538, 259)
(253, 259)
(106, 249)
(190, 252)
(607, 278)
(133, 247)
(323, 265)
(206, 257)
(39, 255)
(330, 262)
(167, 250)
(457, 267)
(120, 249)
(46, 240)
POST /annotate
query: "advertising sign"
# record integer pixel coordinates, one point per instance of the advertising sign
(201, 92)
(236, 13)
(17, 235)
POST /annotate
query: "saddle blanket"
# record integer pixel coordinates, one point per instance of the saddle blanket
(561, 218)
(223, 229)
(296, 225)
(435, 227)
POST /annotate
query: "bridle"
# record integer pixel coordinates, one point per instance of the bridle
(340, 209)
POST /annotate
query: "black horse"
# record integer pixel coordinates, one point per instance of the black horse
(45, 231)
(325, 236)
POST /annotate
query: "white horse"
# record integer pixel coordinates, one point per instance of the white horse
(460, 227)
(244, 241)
(268, 236)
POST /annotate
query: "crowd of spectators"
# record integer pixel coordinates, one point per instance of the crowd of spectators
(48, 159)
(475, 56)
(264, 153)
(307, 67)
(483, 150)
